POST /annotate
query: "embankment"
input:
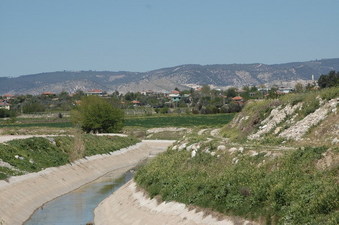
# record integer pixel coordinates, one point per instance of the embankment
(21, 196)
(130, 206)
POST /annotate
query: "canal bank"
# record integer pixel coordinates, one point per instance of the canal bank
(21, 196)
(130, 205)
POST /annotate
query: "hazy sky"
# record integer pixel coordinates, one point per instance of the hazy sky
(53, 35)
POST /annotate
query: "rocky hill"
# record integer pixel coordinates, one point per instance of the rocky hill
(168, 78)
(307, 119)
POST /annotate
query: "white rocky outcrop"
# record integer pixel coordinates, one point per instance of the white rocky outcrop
(276, 116)
(300, 128)
(215, 132)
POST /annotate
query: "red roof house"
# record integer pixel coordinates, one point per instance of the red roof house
(237, 98)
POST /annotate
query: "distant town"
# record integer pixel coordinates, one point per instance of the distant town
(199, 99)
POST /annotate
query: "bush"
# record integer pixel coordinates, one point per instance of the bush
(5, 113)
(33, 107)
(97, 115)
(329, 93)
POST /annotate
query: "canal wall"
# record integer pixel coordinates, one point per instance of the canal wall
(128, 205)
(20, 196)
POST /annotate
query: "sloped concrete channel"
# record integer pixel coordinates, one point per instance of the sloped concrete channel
(77, 207)
(21, 196)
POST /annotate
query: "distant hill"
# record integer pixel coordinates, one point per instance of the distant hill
(165, 79)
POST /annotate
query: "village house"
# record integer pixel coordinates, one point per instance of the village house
(136, 103)
(284, 90)
(175, 96)
(8, 96)
(95, 92)
(47, 93)
(5, 105)
(238, 99)
(148, 92)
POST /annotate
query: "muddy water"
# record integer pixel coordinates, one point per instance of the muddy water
(77, 207)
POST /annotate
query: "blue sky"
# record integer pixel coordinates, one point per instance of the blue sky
(130, 35)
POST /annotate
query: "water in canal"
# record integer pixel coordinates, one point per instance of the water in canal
(77, 207)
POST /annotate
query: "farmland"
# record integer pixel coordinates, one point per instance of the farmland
(210, 120)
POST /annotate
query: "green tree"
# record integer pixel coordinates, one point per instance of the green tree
(329, 80)
(95, 114)
(4, 113)
(273, 93)
(231, 92)
(206, 90)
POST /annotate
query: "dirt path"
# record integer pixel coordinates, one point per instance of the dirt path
(21, 196)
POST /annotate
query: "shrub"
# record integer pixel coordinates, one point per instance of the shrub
(97, 115)
(4, 113)
(329, 93)
(33, 107)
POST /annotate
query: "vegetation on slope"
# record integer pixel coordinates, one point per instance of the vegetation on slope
(35, 154)
(271, 183)
(285, 190)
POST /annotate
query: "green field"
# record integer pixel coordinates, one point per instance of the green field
(211, 120)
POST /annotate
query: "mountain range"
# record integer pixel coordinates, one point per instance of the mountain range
(166, 79)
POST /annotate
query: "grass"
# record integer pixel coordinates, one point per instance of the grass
(32, 154)
(210, 120)
(5, 172)
(35, 154)
(284, 190)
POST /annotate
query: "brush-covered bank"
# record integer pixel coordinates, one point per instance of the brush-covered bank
(277, 162)
(291, 189)
(23, 156)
